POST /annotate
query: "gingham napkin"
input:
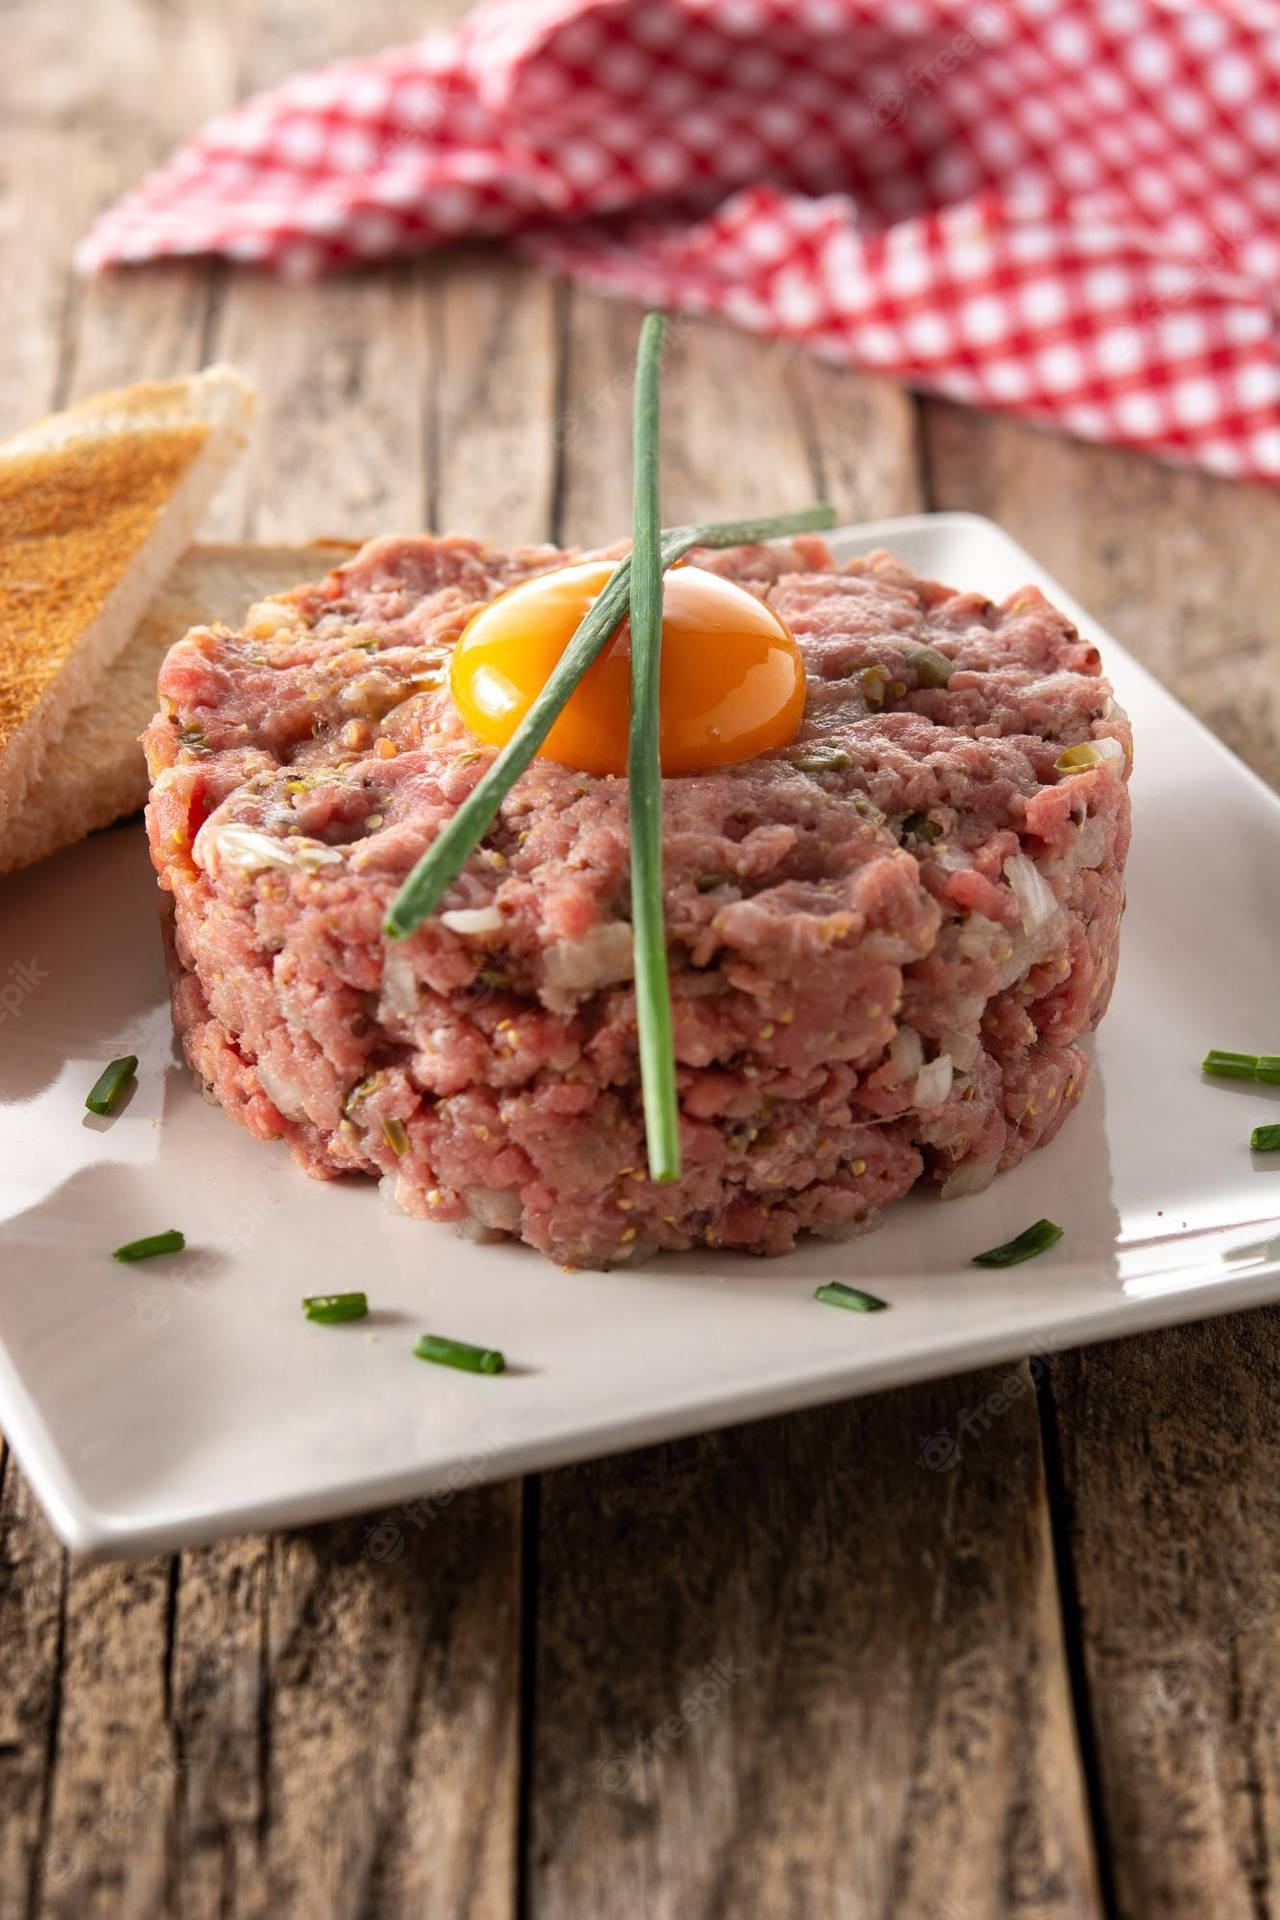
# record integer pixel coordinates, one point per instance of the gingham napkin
(1068, 210)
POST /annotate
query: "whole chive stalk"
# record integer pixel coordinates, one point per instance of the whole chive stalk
(836, 1294)
(1036, 1239)
(459, 1353)
(644, 777)
(105, 1094)
(449, 852)
(330, 1307)
(1265, 1139)
(170, 1242)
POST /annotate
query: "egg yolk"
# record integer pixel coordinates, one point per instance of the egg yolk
(732, 681)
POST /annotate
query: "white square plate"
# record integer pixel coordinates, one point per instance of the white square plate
(155, 1406)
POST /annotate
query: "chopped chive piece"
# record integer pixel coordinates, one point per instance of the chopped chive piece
(1243, 1066)
(1232, 1066)
(105, 1094)
(395, 1134)
(1265, 1139)
(644, 777)
(170, 1242)
(1036, 1239)
(449, 852)
(836, 1294)
(820, 757)
(921, 827)
(458, 1353)
(328, 1307)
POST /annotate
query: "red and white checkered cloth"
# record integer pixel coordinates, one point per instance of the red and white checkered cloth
(1068, 210)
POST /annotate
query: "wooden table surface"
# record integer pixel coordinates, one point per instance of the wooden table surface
(1042, 1682)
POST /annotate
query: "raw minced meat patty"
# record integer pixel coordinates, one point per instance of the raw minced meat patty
(885, 939)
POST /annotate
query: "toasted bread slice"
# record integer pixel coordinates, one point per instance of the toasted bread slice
(96, 505)
(97, 772)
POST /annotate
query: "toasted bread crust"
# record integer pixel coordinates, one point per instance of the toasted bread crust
(70, 523)
(96, 504)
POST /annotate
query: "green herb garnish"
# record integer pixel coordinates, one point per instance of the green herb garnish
(836, 1294)
(1265, 1139)
(170, 1242)
(921, 827)
(107, 1091)
(1243, 1066)
(644, 776)
(1036, 1239)
(1230, 1066)
(819, 758)
(458, 1353)
(328, 1308)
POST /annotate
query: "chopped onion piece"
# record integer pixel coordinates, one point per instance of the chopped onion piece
(604, 956)
(906, 1050)
(388, 1194)
(249, 851)
(933, 1082)
(281, 1092)
(399, 981)
(971, 1176)
(1037, 902)
(473, 920)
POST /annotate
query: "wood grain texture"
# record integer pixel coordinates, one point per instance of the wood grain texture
(32, 1614)
(792, 1669)
(1171, 1462)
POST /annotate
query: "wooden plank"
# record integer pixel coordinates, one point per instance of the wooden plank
(889, 1730)
(861, 434)
(495, 328)
(1169, 1445)
(346, 1710)
(111, 1782)
(1171, 1461)
(32, 1613)
(1184, 569)
(337, 446)
(792, 1669)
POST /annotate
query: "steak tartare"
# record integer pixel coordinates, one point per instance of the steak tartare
(885, 939)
